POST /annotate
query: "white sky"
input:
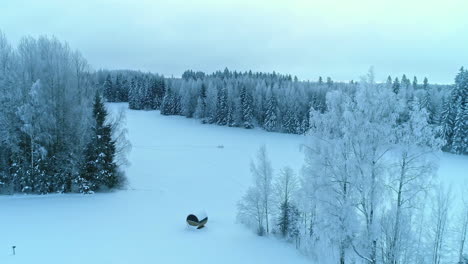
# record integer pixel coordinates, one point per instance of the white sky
(307, 38)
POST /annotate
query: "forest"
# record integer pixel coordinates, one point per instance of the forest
(55, 134)
(368, 189)
(276, 102)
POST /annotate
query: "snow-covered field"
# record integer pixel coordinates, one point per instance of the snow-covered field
(176, 168)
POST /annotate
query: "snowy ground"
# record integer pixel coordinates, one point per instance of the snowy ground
(176, 169)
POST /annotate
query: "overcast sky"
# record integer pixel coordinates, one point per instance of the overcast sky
(337, 38)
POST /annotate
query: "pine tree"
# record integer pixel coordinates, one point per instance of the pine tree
(460, 105)
(168, 103)
(147, 93)
(177, 110)
(200, 110)
(320, 80)
(396, 86)
(460, 137)
(286, 185)
(271, 114)
(124, 90)
(109, 89)
(389, 82)
(448, 121)
(425, 84)
(453, 116)
(117, 88)
(230, 115)
(132, 97)
(222, 105)
(99, 169)
(329, 82)
(405, 82)
(415, 83)
(160, 91)
(247, 107)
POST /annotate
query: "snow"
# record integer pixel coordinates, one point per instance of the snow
(177, 168)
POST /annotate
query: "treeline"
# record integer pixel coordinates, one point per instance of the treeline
(274, 102)
(55, 135)
(368, 191)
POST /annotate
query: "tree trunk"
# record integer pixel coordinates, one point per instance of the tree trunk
(396, 229)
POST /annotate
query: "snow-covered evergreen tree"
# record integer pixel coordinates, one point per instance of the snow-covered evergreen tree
(168, 105)
(109, 91)
(286, 186)
(396, 85)
(454, 116)
(222, 107)
(247, 107)
(271, 114)
(99, 168)
(460, 105)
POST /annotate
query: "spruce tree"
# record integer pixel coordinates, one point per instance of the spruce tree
(132, 94)
(271, 115)
(396, 86)
(168, 103)
(415, 83)
(460, 135)
(329, 82)
(109, 89)
(99, 170)
(117, 89)
(160, 91)
(448, 121)
(425, 84)
(247, 107)
(389, 82)
(460, 105)
(222, 105)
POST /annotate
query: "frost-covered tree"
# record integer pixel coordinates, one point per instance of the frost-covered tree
(440, 216)
(247, 107)
(454, 116)
(109, 91)
(329, 167)
(168, 106)
(256, 205)
(411, 176)
(329, 82)
(37, 123)
(99, 168)
(222, 107)
(286, 186)
(251, 211)
(389, 82)
(396, 85)
(415, 83)
(460, 105)
(271, 114)
(425, 83)
(263, 175)
(368, 127)
(46, 92)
